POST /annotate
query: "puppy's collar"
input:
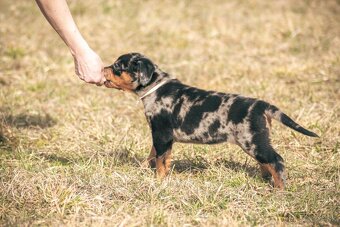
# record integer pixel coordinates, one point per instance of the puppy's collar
(153, 89)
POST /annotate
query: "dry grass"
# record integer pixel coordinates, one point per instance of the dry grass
(70, 152)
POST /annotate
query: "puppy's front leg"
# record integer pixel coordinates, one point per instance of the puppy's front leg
(163, 159)
(162, 139)
(167, 161)
(160, 167)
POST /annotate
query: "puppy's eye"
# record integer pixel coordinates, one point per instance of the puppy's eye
(115, 65)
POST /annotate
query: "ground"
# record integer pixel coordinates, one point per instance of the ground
(71, 153)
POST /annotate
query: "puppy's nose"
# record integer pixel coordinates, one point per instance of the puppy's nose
(107, 72)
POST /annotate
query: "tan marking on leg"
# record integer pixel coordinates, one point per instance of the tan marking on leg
(160, 167)
(151, 160)
(265, 172)
(167, 161)
(278, 181)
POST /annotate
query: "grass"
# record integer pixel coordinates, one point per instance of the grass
(70, 152)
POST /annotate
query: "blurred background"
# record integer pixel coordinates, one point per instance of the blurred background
(70, 151)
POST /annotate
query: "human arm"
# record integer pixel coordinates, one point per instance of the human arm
(88, 65)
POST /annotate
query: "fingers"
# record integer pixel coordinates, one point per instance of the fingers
(103, 79)
(89, 67)
(97, 80)
(101, 82)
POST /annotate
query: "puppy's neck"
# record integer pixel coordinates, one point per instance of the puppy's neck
(158, 78)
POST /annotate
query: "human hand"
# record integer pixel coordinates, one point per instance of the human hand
(89, 67)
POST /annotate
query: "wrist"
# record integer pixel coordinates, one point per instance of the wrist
(77, 44)
(79, 48)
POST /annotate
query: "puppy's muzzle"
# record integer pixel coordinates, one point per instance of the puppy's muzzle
(109, 76)
(107, 72)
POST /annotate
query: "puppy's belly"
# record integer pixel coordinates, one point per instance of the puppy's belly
(201, 137)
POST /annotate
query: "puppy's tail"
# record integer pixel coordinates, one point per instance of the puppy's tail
(274, 112)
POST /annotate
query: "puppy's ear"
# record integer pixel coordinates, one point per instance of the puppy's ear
(145, 69)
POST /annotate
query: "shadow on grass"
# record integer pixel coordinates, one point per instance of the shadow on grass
(196, 165)
(3, 138)
(237, 166)
(124, 156)
(30, 120)
(7, 139)
(186, 165)
(200, 164)
(190, 165)
(23, 120)
(56, 159)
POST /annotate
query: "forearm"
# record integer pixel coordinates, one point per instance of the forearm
(58, 15)
(88, 65)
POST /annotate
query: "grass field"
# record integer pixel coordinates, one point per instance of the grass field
(70, 152)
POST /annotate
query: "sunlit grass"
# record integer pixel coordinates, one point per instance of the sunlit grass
(70, 152)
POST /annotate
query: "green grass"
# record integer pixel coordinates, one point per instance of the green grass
(70, 152)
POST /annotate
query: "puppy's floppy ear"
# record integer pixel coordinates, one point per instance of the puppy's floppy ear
(145, 69)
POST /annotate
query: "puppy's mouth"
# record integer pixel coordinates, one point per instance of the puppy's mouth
(107, 83)
(108, 74)
(110, 84)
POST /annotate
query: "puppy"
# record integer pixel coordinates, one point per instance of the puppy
(179, 113)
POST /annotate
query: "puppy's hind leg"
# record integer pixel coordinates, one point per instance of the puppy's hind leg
(266, 175)
(259, 147)
(270, 161)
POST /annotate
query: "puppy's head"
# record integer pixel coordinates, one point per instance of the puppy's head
(129, 72)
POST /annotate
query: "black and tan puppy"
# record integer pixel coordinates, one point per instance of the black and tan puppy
(179, 113)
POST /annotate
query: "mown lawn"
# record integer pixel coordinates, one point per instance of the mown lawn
(70, 152)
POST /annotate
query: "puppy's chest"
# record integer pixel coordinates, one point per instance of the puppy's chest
(155, 107)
